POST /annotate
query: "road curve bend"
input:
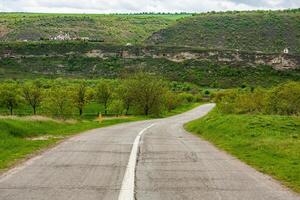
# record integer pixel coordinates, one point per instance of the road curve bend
(147, 160)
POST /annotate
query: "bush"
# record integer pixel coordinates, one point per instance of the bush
(58, 101)
(285, 99)
(186, 97)
(116, 107)
(172, 101)
(251, 102)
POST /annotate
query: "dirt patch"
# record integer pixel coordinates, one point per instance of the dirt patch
(4, 31)
(44, 137)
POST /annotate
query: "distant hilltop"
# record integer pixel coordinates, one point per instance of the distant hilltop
(260, 31)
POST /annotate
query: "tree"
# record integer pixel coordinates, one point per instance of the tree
(124, 93)
(148, 93)
(9, 96)
(32, 93)
(172, 100)
(116, 106)
(59, 101)
(80, 97)
(104, 92)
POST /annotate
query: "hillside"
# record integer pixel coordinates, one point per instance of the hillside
(106, 28)
(267, 31)
(95, 60)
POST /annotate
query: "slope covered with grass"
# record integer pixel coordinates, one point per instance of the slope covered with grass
(269, 143)
(267, 31)
(107, 28)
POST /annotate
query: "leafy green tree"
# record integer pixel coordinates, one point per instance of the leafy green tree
(32, 93)
(80, 97)
(9, 96)
(172, 100)
(104, 93)
(148, 93)
(124, 93)
(59, 101)
(116, 106)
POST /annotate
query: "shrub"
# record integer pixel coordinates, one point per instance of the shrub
(186, 97)
(285, 99)
(172, 101)
(251, 102)
(58, 101)
(116, 107)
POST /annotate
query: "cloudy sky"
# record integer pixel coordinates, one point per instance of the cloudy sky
(125, 6)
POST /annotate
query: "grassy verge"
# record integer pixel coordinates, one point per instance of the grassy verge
(21, 137)
(181, 109)
(269, 143)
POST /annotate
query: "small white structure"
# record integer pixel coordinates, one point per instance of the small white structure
(128, 44)
(286, 50)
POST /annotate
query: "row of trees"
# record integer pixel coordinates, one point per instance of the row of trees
(283, 99)
(139, 94)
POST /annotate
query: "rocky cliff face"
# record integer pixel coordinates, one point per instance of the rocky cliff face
(235, 58)
(174, 54)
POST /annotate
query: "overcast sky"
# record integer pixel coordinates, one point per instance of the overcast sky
(125, 6)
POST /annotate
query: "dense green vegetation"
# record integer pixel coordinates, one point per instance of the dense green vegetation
(120, 29)
(71, 59)
(283, 99)
(267, 31)
(139, 94)
(260, 127)
(203, 73)
(270, 143)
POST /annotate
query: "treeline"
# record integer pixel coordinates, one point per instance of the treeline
(283, 99)
(141, 94)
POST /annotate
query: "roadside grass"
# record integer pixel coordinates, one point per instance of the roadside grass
(181, 109)
(269, 143)
(21, 137)
(17, 135)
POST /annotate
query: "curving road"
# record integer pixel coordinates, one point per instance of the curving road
(151, 160)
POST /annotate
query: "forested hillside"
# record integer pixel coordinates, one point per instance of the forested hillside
(266, 31)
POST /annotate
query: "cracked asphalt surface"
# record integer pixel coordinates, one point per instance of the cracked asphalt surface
(171, 164)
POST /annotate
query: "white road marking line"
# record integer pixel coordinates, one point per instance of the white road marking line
(127, 189)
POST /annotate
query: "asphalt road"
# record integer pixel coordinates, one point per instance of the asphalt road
(152, 160)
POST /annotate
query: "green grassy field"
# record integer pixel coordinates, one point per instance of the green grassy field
(267, 142)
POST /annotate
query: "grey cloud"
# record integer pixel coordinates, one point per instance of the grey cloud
(106, 6)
